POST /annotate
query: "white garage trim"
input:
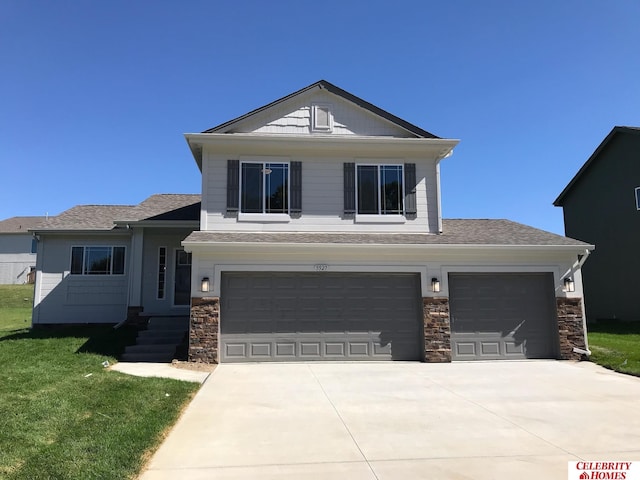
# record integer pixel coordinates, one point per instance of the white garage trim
(320, 267)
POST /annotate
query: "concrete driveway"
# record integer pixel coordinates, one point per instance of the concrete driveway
(486, 420)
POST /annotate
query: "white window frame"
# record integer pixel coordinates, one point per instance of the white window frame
(163, 273)
(264, 216)
(380, 217)
(637, 192)
(314, 118)
(110, 274)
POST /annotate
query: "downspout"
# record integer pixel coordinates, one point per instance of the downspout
(438, 197)
(581, 351)
(438, 193)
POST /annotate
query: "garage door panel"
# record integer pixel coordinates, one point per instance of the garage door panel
(320, 317)
(497, 316)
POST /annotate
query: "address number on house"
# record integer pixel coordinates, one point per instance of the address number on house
(321, 267)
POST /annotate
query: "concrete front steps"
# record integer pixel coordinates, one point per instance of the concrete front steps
(158, 343)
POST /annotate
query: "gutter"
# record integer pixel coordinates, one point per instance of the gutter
(471, 246)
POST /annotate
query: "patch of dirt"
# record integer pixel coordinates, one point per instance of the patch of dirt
(198, 367)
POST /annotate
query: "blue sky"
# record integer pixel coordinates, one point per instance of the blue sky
(95, 96)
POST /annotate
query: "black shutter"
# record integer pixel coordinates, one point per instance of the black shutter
(296, 187)
(349, 188)
(410, 189)
(233, 185)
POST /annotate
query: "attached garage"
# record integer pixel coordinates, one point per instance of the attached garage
(502, 316)
(293, 316)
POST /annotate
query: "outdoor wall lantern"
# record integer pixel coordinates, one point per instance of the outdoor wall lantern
(204, 285)
(569, 285)
(435, 284)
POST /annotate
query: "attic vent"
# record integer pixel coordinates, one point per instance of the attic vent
(322, 120)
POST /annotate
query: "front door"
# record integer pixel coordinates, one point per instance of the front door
(182, 284)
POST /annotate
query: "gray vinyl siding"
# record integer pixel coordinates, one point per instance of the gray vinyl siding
(15, 258)
(294, 117)
(322, 198)
(600, 209)
(64, 298)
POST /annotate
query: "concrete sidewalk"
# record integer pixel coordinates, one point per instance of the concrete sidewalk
(164, 370)
(481, 420)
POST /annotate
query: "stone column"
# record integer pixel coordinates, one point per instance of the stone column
(570, 327)
(203, 330)
(437, 330)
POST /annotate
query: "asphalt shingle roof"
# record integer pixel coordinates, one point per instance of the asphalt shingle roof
(102, 217)
(20, 224)
(161, 204)
(455, 232)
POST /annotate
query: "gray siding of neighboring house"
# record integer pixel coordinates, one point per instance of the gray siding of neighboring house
(600, 209)
(153, 240)
(64, 298)
(15, 258)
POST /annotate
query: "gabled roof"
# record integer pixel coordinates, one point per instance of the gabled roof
(594, 157)
(20, 224)
(86, 217)
(323, 84)
(456, 232)
(160, 207)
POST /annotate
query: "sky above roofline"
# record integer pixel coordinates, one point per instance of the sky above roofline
(96, 96)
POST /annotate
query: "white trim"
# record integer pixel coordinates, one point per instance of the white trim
(338, 145)
(110, 274)
(390, 163)
(164, 286)
(264, 160)
(306, 268)
(314, 118)
(264, 217)
(373, 218)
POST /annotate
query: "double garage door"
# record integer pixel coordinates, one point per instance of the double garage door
(319, 316)
(268, 316)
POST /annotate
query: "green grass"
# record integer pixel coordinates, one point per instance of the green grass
(62, 414)
(616, 345)
(15, 306)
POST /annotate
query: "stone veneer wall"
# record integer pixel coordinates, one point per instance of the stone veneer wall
(437, 330)
(203, 330)
(570, 327)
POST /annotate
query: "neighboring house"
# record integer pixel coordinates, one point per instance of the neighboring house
(321, 238)
(601, 206)
(17, 252)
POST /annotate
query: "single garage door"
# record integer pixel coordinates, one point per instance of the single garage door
(268, 316)
(502, 316)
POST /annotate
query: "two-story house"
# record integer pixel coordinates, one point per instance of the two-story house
(321, 238)
(601, 205)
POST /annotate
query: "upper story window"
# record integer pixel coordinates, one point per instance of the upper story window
(380, 189)
(97, 260)
(637, 198)
(321, 118)
(264, 187)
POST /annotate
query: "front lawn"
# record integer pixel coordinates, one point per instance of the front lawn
(62, 414)
(616, 345)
